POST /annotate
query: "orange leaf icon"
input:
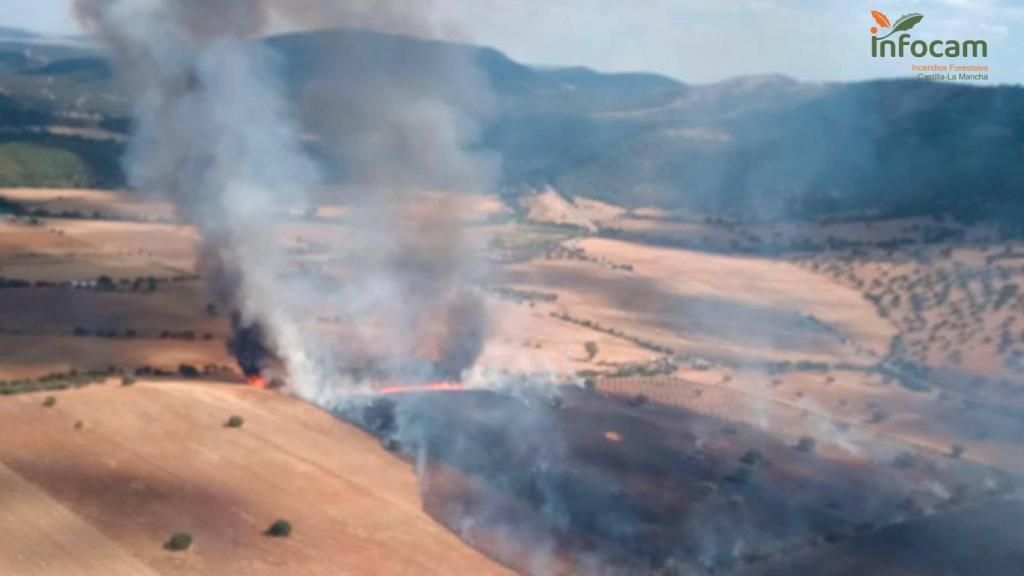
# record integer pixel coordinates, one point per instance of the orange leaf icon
(881, 18)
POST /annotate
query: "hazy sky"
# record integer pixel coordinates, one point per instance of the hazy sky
(693, 40)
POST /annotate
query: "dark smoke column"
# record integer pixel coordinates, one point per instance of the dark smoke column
(213, 133)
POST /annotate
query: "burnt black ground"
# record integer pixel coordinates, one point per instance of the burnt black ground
(621, 488)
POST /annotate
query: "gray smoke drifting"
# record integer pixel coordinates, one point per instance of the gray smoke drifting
(214, 132)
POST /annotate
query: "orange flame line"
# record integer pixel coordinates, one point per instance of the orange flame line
(432, 387)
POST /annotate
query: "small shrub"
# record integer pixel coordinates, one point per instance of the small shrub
(50, 402)
(706, 490)
(280, 529)
(127, 380)
(235, 422)
(957, 451)
(751, 457)
(105, 284)
(839, 534)
(638, 401)
(188, 371)
(806, 444)
(743, 475)
(179, 541)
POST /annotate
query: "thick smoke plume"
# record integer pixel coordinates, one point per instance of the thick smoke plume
(214, 132)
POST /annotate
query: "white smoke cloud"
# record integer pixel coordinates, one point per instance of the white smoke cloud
(214, 132)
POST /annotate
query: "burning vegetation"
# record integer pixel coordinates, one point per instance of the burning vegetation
(248, 345)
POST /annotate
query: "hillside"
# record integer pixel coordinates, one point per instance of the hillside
(98, 482)
(748, 148)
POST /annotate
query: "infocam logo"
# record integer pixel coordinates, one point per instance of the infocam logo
(903, 45)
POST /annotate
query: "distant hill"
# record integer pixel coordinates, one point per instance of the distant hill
(774, 147)
(752, 147)
(7, 32)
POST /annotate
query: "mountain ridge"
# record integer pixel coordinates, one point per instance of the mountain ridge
(750, 147)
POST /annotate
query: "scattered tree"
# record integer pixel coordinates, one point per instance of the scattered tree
(179, 541)
(591, 348)
(742, 475)
(235, 422)
(806, 444)
(188, 371)
(957, 451)
(105, 284)
(280, 529)
(638, 401)
(751, 457)
(706, 490)
(50, 402)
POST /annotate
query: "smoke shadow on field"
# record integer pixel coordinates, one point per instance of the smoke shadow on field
(698, 317)
(133, 507)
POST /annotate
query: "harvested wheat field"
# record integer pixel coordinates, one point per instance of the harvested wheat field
(97, 482)
(711, 305)
(63, 250)
(88, 202)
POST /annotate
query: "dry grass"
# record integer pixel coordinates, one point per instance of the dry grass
(155, 459)
(107, 202)
(716, 306)
(32, 357)
(39, 536)
(80, 250)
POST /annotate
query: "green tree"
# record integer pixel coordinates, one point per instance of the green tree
(806, 444)
(179, 541)
(105, 284)
(280, 529)
(188, 371)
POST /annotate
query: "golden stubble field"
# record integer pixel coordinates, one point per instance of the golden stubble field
(96, 484)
